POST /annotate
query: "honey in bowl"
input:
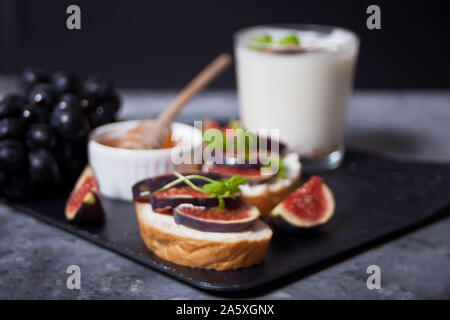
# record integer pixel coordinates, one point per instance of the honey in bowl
(119, 143)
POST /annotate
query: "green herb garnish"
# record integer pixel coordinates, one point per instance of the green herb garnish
(289, 40)
(262, 39)
(217, 188)
(259, 42)
(224, 187)
(234, 124)
(281, 167)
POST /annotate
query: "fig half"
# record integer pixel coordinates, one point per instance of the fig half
(142, 188)
(255, 170)
(237, 218)
(310, 205)
(165, 201)
(254, 176)
(85, 204)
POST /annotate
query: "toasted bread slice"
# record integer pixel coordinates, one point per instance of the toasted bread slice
(210, 250)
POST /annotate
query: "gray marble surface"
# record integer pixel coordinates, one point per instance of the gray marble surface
(412, 125)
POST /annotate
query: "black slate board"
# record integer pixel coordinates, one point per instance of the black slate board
(375, 198)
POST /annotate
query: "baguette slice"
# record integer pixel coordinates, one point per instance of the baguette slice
(210, 250)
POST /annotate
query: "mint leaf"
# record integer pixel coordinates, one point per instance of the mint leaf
(262, 39)
(224, 187)
(234, 124)
(233, 183)
(215, 188)
(290, 39)
(281, 167)
(259, 42)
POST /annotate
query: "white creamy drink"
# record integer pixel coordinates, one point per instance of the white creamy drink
(297, 80)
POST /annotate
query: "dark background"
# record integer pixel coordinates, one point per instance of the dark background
(162, 44)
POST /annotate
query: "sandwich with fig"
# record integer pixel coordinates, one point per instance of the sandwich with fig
(200, 219)
(272, 172)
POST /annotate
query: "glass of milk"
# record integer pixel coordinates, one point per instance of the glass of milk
(298, 79)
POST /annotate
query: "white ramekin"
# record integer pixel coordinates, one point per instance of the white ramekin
(117, 170)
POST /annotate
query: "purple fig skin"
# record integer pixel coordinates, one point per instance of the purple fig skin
(281, 227)
(251, 179)
(152, 184)
(213, 225)
(281, 146)
(168, 203)
(243, 166)
(229, 161)
(208, 202)
(88, 213)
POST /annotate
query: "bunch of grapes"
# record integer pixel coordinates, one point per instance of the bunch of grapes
(44, 129)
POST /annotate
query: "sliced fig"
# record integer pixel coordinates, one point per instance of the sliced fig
(164, 202)
(235, 161)
(310, 205)
(252, 167)
(143, 187)
(233, 219)
(85, 204)
(254, 176)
